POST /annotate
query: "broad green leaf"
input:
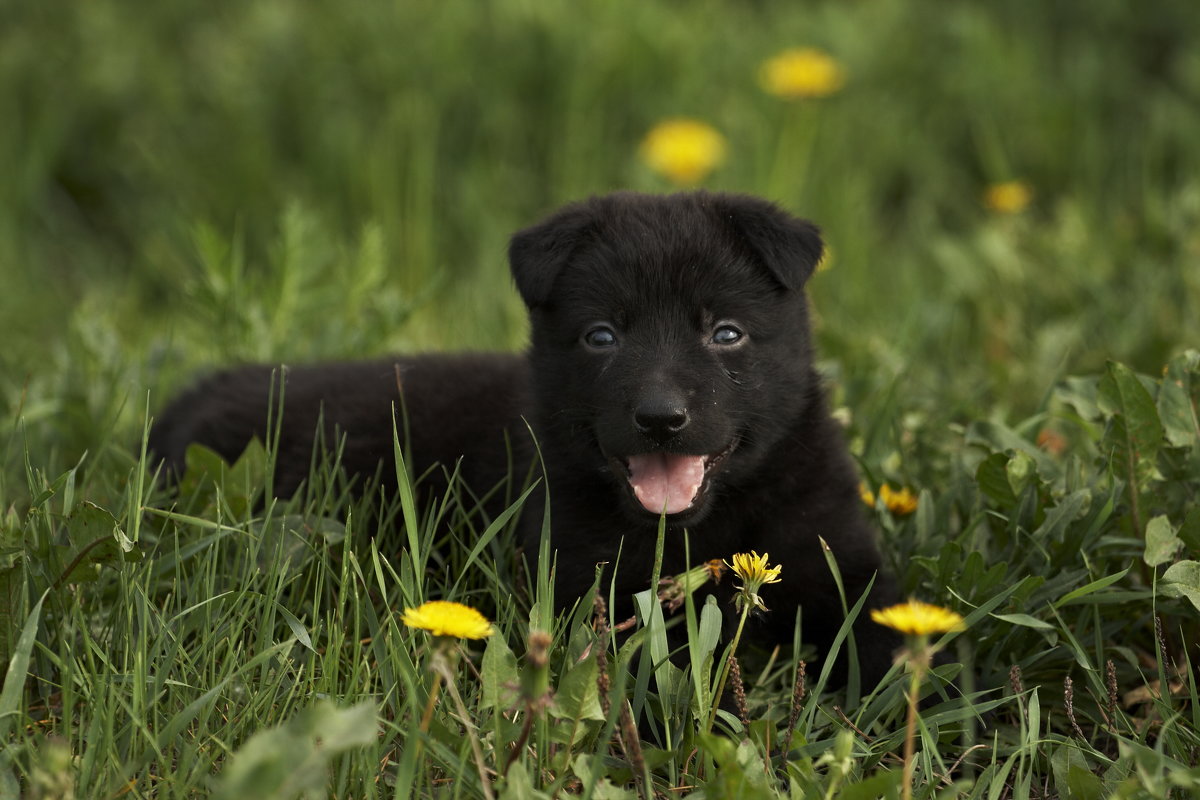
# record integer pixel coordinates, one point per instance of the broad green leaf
(578, 696)
(1135, 433)
(883, 784)
(1182, 579)
(992, 477)
(1084, 784)
(1161, 542)
(740, 770)
(202, 466)
(245, 477)
(1179, 400)
(585, 769)
(518, 785)
(498, 672)
(96, 537)
(293, 759)
(1189, 531)
(1065, 762)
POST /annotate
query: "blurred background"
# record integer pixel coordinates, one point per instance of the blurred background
(1010, 191)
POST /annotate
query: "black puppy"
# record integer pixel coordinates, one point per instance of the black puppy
(671, 372)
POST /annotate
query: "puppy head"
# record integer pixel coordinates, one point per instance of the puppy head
(670, 342)
(787, 247)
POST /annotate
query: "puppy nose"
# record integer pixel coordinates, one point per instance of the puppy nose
(660, 420)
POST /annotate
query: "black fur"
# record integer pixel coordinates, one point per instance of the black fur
(668, 279)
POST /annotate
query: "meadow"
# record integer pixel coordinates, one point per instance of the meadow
(1008, 321)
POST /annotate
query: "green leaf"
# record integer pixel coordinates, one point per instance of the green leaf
(296, 538)
(95, 537)
(1182, 579)
(1179, 400)
(1069, 768)
(740, 770)
(1066, 511)
(518, 785)
(202, 466)
(1002, 439)
(885, 784)
(1084, 784)
(1021, 471)
(992, 477)
(1189, 531)
(293, 758)
(10, 788)
(1080, 393)
(18, 668)
(1025, 621)
(1161, 542)
(1094, 586)
(578, 696)
(589, 770)
(297, 627)
(498, 673)
(244, 479)
(1135, 433)
(701, 649)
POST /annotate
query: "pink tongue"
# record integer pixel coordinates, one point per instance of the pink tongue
(666, 481)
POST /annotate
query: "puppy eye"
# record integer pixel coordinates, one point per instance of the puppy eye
(727, 334)
(600, 337)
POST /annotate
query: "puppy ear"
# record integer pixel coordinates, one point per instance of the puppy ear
(789, 247)
(537, 254)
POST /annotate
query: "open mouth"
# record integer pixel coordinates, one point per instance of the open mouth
(670, 483)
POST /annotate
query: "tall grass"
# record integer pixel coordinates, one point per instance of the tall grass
(191, 184)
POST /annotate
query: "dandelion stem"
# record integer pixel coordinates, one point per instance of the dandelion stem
(919, 661)
(427, 717)
(440, 665)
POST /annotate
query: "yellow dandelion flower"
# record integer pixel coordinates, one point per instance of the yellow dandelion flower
(918, 619)
(899, 502)
(443, 618)
(683, 150)
(753, 568)
(1010, 197)
(801, 72)
(755, 573)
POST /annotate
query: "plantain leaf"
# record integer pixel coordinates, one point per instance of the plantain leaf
(1161, 542)
(1182, 579)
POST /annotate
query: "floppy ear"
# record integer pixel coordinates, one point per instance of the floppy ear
(789, 247)
(537, 254)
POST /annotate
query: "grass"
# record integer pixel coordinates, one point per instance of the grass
(195, 184)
